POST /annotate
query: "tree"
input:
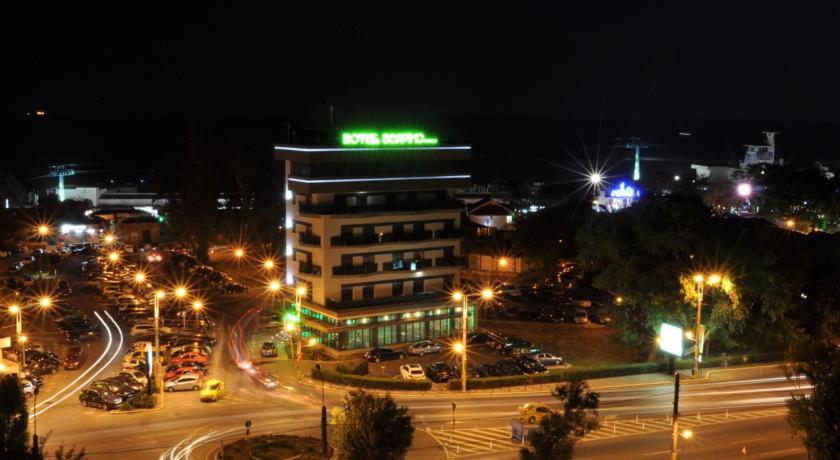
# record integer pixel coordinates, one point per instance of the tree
(372, 428)
(817, 415)
(14, 419)
(560, 431)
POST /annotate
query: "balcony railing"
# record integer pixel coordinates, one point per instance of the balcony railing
(391, 300)
(309, 239)
(365, 268)
(407, 265)
(309, 269)
(456, 261)
(384, 207)
(357, 240)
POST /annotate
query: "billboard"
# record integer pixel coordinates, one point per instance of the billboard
(671, 339)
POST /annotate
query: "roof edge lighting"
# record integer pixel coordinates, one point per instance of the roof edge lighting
(365, 149)
(375, 179)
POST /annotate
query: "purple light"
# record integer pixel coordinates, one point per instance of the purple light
(744, 189)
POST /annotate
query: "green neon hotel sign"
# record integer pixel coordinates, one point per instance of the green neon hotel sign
(386, 139)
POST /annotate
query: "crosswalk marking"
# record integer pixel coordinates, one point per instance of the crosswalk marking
(466, 442)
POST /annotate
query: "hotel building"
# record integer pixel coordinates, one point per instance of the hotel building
(374, 234)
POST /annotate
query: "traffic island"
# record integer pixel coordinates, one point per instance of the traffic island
(274, 446)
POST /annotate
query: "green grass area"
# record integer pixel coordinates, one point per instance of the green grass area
(274, 446)
(580, 344)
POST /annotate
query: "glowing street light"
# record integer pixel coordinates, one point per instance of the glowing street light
(43, 230)
(458, 347)
(503, 262)
(159, 294)
(460, 296)
(714, 279)
(180, 292)
(274, 286)
(687, 434)
(23, 339)
(139, 277)
(239, 253)
(109, 238)
(700, 280)
(790, 223)
(45, 302)
(301, 291)
(14, 309)
(197, 305)
(268, 264)
(744, 189)
(595, 178)
(114, 256)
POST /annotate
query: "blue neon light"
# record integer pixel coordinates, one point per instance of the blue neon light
(624, 191)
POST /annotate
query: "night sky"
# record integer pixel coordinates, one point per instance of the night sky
(106, 74)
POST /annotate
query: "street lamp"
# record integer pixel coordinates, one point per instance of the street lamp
(300, 291)
(460, 296)
(239, 253)
(503, 262)
(197, 306)
(17, 310)
(43, 230)
(268, 264)
(180, 292)
(113, 256)
(109, 238)
(700, 281)
(159, 295)
(323, 411)
(139, 277)
(274, 287)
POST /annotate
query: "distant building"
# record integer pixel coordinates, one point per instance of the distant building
(761, 154)
(490, 216)
(715, 174)
(139, 230)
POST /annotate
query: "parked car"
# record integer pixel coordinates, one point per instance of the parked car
(100, 398)
(600, 317)
(489, 370)
(29, 388)
(184, 371)
(424, 347)
(134, 363)
(135, 374)
(383, 354)
(533, 412)
(439, 372)
(531, 366)
(412, 372)
(268, 350)
(40, 366)
(184, 382)
(116, 388)
(508, 367)
(75, 358)
(547, 359)
(580, 316)
(190, 356)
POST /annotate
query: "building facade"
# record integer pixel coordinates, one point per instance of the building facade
(374, 234)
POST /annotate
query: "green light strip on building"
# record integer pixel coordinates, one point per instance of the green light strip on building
(376, 139)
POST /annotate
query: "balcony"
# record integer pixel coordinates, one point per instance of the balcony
(362, 269)
(407, 265)
(309, 269)
(451, 233)
(385, 207)
(362, 240)
(456, 261)
(442, 300)
(309, 239)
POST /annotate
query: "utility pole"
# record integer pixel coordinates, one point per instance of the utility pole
(675, 428)
(453, 417)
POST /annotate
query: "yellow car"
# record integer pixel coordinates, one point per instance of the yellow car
(533, 412)
(212, 391)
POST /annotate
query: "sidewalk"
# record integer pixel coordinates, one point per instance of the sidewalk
(713, 374)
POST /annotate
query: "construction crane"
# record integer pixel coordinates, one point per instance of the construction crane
(61, 171)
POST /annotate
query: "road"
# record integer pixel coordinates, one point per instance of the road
(186, 428)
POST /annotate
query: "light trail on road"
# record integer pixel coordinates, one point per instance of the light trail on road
(72, 387)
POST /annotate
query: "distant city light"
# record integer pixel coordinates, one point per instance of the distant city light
(677, 178)
(744, 189)
(624, 191)
(595, 179)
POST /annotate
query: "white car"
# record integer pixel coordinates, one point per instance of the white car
(412, 372)
(133, 363)
(142, 346)
(547, 359)
(136, 375)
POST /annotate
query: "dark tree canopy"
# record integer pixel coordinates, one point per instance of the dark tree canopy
(560, 430)
(372, 428)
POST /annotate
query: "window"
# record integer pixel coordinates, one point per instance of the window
(359, 338)
(397, 288)
(398, 263)
(367, 292)
(412, 332)
(439, 328)
(386, 335)
(346, 293)
(418, 286)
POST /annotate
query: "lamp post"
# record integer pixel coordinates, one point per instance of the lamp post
(159, 294)
(460, 296)
(274, 287)
(17, 310)
(300, 291)
(323, 412)
(700, 280)
(197, 306)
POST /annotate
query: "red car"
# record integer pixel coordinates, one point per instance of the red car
(194, 357)
(184, 371)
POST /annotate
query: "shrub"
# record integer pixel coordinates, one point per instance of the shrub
(378, 383)
(359, 369)
(489, 382)
(139, 401)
